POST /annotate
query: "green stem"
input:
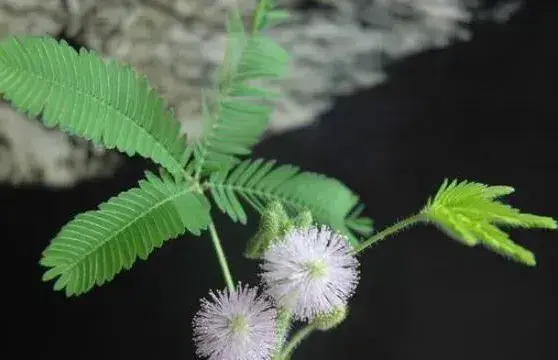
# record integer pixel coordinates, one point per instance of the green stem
(296, 340)
(398, 226)
(283, 326)
(221, 256)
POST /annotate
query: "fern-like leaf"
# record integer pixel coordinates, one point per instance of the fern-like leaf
(104, 102)
(96, 245)
(468, 212)
(237, 114)
(258, 182)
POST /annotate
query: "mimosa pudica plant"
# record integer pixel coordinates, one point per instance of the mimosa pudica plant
(310, 227)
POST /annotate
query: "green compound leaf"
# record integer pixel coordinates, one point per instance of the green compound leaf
(469, 213)
(258, 182)
(236, 114)
(268, 15)
(84, 95)
(96, 245)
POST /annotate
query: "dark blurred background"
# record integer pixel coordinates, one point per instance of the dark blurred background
(483, 110)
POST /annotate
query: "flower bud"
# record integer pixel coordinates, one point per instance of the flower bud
(304, 220)
(274, 223)
(328, 321)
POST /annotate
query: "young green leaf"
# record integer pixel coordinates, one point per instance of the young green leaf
(258, 182)
(236, 115)
(468, 212)
(104, 102)
(96, 245)
(267, 15)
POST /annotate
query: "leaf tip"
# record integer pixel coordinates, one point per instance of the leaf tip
(529, 259)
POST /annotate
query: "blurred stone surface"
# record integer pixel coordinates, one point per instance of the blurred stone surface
(337, 48)
(25, 148)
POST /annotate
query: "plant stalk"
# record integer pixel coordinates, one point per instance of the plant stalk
(398, 226)
(297, 338)
(221, 256)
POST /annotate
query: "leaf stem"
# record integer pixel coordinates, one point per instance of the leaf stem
(297, 338)
(398, 226)
(221, 256)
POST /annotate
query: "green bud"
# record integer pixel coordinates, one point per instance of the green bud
(304, 220)
(328, 321)
(274, 223)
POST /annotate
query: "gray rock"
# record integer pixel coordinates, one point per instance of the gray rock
(29, 153)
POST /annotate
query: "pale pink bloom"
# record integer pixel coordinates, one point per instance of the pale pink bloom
(310, 272)
(237, 325)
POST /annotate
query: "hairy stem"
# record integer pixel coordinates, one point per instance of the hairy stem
(283, 326)
(398, 226)
(221, 256)
(296, 340)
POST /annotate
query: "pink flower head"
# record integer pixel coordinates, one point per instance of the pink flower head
(310, 272)
(235, 325)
